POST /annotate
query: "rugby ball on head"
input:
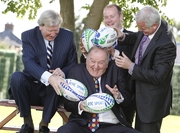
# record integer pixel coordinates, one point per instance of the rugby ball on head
(105, 37)
(99, 102)
(87, 38)
(75, 91)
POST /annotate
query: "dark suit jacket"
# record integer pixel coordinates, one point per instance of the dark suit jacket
(127, 49)
(112, 76)
(152, 78)
(35, 53)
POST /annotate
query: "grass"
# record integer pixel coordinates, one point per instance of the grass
(171, 123)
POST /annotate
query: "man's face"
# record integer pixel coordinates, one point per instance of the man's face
(147, 30)
(96, 62)
(49, 32)
(112, 18)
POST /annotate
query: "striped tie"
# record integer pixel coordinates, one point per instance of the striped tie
(94, 121)
(49, 55)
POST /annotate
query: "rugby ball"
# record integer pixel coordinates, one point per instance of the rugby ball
(99, 102)
(87, 38)
(105, 37)
(75, 91)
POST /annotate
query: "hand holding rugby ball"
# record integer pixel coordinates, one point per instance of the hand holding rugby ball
(99, 102)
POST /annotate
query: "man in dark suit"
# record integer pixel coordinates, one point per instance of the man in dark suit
(39, 84)
(111, 81)
(113, 17)
(151, 72)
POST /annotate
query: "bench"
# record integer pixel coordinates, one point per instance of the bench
(11, 103)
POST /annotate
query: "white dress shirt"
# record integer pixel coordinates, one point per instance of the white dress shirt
(108, 116)
(45, 76)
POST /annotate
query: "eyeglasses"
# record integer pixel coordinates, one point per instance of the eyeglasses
(52, 29)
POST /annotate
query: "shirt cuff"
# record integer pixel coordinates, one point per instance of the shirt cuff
(121, 40)
(79, 110)
(120, 100)
(45, 77)
(130, 71)
(116, 53)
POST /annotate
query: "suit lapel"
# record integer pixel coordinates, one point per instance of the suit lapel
(153, 41)
(140, 36)
(41, 49)
(57, 50)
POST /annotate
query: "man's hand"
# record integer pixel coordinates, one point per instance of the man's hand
(57, 72)
(114, 91)
(55, 82)
(123, 61)
(120, 34)
(82, 48)
(83, 106)
(111, 51)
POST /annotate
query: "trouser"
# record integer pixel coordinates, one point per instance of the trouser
(153, 127)
(27, 92)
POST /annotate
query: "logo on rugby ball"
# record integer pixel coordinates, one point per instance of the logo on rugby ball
(75, 91)
(99, 102)
(105, 37)
(87, 38)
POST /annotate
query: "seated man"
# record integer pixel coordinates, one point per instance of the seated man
(45, 66)
(112, 81)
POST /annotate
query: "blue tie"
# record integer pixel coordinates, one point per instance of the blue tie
(94, 121)
(49, 55)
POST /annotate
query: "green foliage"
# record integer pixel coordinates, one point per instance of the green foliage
(9, 62)
(130, 7)
(22, 7)
(3, 45)
(176, 90)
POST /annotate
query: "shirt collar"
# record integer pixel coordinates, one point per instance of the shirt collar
(152, 35)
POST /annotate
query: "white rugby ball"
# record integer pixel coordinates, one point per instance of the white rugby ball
(75, 91)
(105, 37)
(99, 102)
(87, 38)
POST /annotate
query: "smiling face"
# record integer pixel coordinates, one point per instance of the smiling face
(112, 18)
(97, 61)
(49, 32)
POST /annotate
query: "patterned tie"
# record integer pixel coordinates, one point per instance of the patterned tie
(94, 122)
(49, 55)
(141, 48)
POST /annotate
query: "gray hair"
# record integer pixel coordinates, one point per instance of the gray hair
(149, 15)
(50, 18)
(104, 49)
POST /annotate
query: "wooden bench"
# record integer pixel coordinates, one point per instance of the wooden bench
(11, 103)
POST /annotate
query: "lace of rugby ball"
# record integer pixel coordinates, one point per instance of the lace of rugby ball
(108, 98)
